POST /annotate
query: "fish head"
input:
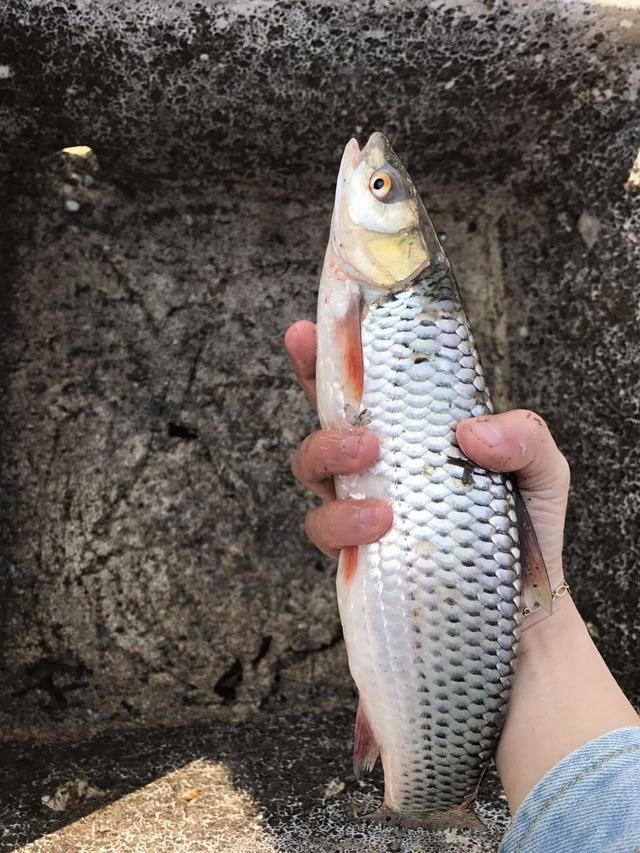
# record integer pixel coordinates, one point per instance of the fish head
(380, 231)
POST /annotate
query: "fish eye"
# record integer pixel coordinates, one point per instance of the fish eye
(381, 184)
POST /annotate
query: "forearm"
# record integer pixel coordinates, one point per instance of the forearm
(563, 696)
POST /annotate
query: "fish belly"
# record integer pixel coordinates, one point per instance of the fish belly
(431, 611)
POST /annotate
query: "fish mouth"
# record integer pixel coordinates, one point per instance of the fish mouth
(379, 145)
(376, 151)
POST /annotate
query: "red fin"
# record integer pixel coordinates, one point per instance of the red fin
(365, 748)
(350, 343)
(535, 579)
(349, 562)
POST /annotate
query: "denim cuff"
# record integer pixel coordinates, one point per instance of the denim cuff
(590, 801)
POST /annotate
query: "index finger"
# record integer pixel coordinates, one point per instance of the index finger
(300, 343)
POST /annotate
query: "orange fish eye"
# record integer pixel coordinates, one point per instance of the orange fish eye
(381, 184)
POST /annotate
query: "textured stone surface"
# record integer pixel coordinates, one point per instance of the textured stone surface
(153, 568)
(282, 785)
(260, 89)
(575, 357)
(157, 564)
(161, 570)
(153, 558)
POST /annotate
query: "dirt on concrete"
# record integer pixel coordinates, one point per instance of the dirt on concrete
(281, 785)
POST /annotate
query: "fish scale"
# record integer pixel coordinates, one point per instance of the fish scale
(431, 618)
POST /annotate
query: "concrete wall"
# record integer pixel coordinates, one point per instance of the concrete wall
(153, 564)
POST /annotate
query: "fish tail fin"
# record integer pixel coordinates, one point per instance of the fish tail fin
(365, 748)
(462, 817)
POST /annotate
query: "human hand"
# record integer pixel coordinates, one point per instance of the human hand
(337, 523)
(516, 441)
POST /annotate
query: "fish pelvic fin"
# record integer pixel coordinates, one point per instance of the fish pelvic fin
(462, 817)
(536, 587)
(365, 748)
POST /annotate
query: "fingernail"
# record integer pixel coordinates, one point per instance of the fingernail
(486, 433)
(369, 516)
(351, 444)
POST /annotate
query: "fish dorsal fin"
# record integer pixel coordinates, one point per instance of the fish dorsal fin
(365, 748)
(536, 588)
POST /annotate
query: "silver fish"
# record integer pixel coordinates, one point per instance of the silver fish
(431, 612)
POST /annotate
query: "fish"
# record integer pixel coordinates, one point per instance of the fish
(431, 613)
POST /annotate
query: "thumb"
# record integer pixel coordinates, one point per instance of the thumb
(518, 442)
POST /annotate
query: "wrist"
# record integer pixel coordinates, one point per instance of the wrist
(560, 592)
(562, 696)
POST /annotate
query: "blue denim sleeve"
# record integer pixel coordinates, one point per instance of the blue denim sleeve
(590, 801)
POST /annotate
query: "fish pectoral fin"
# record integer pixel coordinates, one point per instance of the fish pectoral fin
(349, 346)
(536, 587)
(365, 748)
(462, 817)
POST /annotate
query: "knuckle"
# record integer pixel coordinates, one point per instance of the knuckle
(317, 530)
(300, 462)
(310, 526)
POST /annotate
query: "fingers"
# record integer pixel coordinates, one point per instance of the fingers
(341, 523)
(517, 441)
(300, 343)
(327, 452)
